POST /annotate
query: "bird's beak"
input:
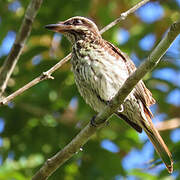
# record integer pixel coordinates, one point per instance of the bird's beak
(59, 27)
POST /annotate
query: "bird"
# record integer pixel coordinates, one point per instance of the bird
(100, 69)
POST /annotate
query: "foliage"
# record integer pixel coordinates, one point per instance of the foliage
(46, 117)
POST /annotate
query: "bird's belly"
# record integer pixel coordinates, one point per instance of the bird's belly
(91, 97)
(97, 81)
(85, 82)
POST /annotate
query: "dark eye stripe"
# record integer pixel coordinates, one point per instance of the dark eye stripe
(67, 23)
(77, 22)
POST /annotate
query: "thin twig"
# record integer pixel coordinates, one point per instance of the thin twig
(49, 72)
(124, 15)
(43, 76)
(74, 146)
(168, 125)
(12, 58)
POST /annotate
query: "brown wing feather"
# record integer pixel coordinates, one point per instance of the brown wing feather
(131, 123)
(141, 91)
(157, 141)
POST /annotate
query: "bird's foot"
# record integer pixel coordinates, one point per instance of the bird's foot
(107, 123)
(93, 123)
(121, 109)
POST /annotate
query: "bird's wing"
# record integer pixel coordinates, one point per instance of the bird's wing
(141, 91)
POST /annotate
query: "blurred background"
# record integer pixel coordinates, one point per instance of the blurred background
(41, 121)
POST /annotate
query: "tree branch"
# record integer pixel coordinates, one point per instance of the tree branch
(64, 60)
(74, 146)
(168, 125)
(43, 76)
(124, 15)
(12, 58)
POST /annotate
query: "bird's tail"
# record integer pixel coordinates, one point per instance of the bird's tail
(157, 141)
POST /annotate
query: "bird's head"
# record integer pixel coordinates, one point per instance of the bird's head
(76, 28)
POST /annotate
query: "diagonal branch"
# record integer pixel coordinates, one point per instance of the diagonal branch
(12, 58)
(48, 73)
(168, 125)
(74, 146)
(43, 76)
(124, 15)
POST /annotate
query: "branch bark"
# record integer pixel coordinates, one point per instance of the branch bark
(48, 73)
(12, 58)
(124, 15)
(168, 125)
(74, 146)
(43, 76)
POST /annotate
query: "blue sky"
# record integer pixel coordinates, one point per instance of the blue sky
(7, 43)
(14, 6)
(150, 12)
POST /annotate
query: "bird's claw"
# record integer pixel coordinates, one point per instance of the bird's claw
(93, 123)
(107, 123)
(121, 108)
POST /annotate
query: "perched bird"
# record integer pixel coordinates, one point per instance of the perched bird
(100, 69)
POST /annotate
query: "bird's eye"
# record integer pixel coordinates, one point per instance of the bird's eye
(77, 22)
